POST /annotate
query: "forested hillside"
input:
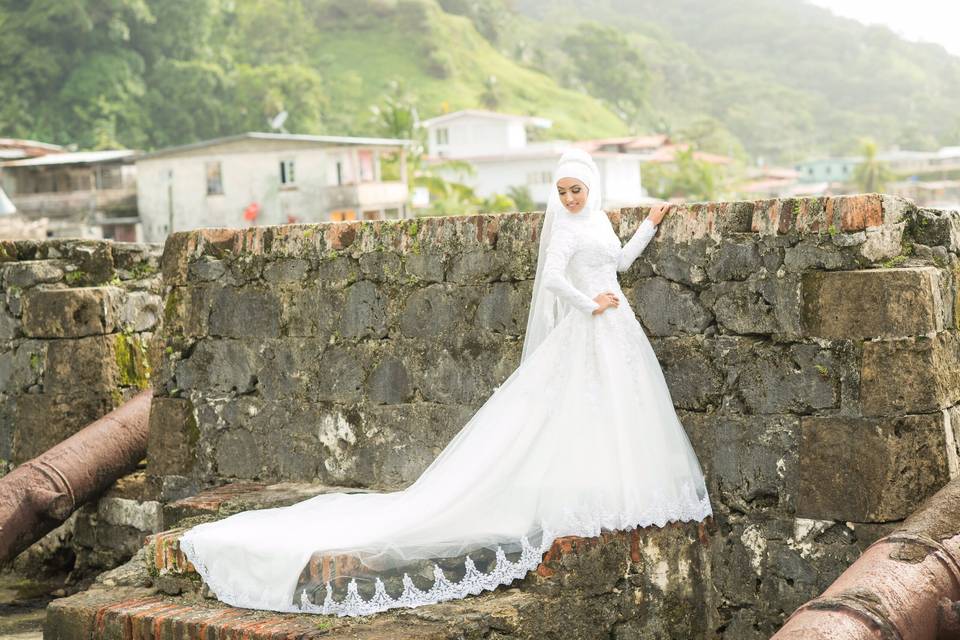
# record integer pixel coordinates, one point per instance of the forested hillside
(778, 79)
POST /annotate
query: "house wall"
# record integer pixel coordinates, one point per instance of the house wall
(476, 136)
(250, 173)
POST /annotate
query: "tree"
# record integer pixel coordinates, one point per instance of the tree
(522, 198)
(687, 178)
(871, 175)
(609, 67)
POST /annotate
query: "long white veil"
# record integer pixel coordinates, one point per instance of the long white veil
(546, 309)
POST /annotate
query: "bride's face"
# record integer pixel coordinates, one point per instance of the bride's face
(573, 194)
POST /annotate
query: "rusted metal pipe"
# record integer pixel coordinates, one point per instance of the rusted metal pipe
(905, 586)
(40, 494)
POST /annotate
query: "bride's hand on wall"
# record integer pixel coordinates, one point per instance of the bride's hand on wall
(658, 211)
(605, 300)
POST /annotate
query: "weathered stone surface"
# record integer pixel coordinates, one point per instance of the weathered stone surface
(244, 312)
(797, 379)
(754, 462)
(814, 254)
(220, 366)
(504, 309)
(364, 311)
(71, 313)
(286, 270)
(667, 308)
(89, 364)
(28, 273)
(141, 311)
(683, 263)
(44, 420)
(870, 470)
(689, 368)
(430, 311)
(389, 383)
(910, 375)
(174, 433)
(208, 270)
(311, 310)
(342, 374)
(740, 307)
(735, 260)
(884, 303)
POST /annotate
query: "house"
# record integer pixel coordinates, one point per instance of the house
(16, 149)
(828, 169)
(86, 194)
(271, 178)
(497, 147)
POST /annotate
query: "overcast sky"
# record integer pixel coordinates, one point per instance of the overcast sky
(930, 20)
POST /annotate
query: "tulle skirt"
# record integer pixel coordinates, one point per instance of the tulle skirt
(582, 437)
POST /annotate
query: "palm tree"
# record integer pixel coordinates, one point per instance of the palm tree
(871, 175)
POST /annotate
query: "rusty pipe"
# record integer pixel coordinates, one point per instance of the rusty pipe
(40, 494)
(905, 586)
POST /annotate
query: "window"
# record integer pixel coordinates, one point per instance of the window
(214, 179)
(339, 173)
(443, 136)
(287, 176)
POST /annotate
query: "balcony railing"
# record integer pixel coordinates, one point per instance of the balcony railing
(367, 194)
(57, 205)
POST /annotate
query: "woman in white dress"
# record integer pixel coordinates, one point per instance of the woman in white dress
(581, 437)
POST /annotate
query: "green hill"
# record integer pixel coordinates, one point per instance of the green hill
(786, 77)
(161, 72)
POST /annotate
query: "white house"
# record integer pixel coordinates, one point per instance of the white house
(496, 146)
(270, 178)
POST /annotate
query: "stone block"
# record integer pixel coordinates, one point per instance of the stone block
(219, 366)
(740, 307)
(798, 379)
(174, 434)
(754, 462)
(909, 375)
(28, 273)
(209, 270)
(311, 310)
(364, 312)
(22, 366)
(141, 311)
(431, 311)
(667, 308)
(872, 303)
(691, 373)
(342, 374)
(71, 313)
(389, 382)
(286, 270)
(84, 364)
(504, 308)
(44, 420)
(239, 312)
(870, 469)
(735, 259)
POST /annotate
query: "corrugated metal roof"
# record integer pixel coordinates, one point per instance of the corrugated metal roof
(281, 137)
(79, 157)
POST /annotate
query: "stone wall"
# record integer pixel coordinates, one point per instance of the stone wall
(810, 346)
(75, 320)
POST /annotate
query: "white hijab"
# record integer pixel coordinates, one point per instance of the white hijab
(546, 309)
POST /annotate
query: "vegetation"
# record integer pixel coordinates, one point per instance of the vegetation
(871, 175)
(750, 79)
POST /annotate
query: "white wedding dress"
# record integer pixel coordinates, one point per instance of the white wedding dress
(581, 437)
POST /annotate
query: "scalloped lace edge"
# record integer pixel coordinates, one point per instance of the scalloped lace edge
(473, 582)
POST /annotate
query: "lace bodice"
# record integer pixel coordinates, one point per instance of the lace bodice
(584, 258)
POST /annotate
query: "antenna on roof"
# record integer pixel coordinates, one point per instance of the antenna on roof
(277, 122)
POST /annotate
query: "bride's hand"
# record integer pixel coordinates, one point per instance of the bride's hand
(658, 211)
(605, 300)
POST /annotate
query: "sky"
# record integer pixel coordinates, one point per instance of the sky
(926, 20)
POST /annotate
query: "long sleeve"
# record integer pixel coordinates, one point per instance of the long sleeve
(562, 248)
(635, 245)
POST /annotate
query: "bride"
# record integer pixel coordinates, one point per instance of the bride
(581, 437)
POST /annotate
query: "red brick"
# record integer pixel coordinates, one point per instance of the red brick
(859, 212)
